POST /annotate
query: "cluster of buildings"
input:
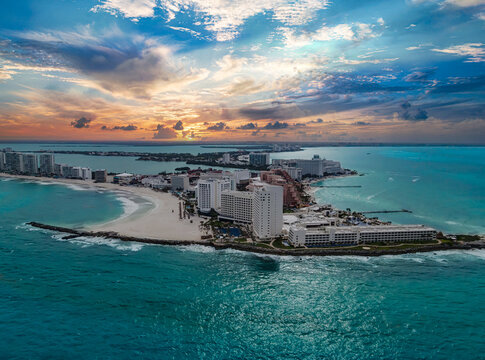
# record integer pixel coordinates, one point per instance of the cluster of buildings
(252, 199)
(315, 167)
(44, 165)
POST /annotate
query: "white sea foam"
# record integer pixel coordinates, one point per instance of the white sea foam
(390, 179)
(196, 248)
(27, 227)
(92, 241)
(129, 206)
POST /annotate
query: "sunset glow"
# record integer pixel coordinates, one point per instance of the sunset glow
(266, 70)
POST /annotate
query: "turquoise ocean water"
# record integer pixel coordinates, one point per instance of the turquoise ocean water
(104, 299)
(443, 186)
(101, 298)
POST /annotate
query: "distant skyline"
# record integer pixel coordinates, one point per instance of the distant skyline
(409, 71)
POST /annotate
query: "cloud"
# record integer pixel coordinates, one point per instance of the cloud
(280, 112)
(361, 123)
(123, 127)
(163, 132)
(349, 32)
(128, 8)
(461, 85)
(228, 66)
(81, 123)
(217, 127)
(475, 52)
(276, 126)
(465, 3)
(411, 114)
(133, 66)
(457, 3)
(248, 126)
(223, 18)
(179, 125)
(421, 75)
(317, 121)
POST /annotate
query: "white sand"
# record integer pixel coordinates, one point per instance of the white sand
(159, 222)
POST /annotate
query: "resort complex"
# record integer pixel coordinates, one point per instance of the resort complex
(244, 205)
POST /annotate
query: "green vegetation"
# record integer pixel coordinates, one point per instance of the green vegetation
(241, 240)
(262, 245)
(467, 237)
(278, 243)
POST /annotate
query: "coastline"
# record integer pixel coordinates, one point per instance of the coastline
(73, 233)
(159, 225)
(157, 222)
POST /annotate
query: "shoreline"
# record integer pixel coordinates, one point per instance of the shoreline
(162, 220)
(161, 226)
(265, 251)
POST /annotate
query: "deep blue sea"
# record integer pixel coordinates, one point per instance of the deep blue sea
(105, 299)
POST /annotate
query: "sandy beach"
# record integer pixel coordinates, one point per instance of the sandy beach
(158, 222)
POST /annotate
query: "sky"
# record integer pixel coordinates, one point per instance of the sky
(400, 71)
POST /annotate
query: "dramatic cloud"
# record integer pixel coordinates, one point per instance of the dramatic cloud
(217, 127)
(178, 125)
(411, 114)
(81, 123)
(124, 128)
(164, 133)
(136, 67)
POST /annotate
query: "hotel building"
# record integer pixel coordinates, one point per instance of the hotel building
(299, 235)
(314, 167)
(86, 174)
(267, 211)
(14, 162)
(208, 193)
(46, 164)
(2, 160)
(180, 182)
(259, 159)
(100, 176)
(31, 165)
(237, 206)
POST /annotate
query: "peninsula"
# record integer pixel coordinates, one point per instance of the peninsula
(269, 211)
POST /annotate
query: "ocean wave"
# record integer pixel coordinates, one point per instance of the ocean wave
(27, 227)
(84, 242)
(196, 248)
(129, 206)
(415, 179)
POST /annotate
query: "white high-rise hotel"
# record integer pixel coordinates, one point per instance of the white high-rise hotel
(237, 206)
(209, 193)
(267, 211)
